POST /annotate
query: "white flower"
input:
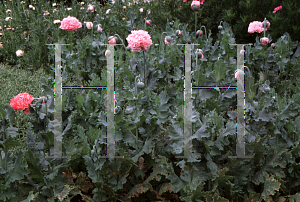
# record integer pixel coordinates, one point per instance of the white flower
(56, 21)
(54, 4)
(148, 11)
(108, 11)
(8, 18)
(20, 53)
(8, 11)
(89, 25)
(69, 9)
(141, 10)
(31, 7)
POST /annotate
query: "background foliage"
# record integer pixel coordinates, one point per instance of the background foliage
(149, 170)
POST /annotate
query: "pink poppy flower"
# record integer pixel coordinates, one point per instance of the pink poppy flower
(256, 26)
(197, 3)
(264, 41)
(139, 40)
(279, 8)
(70, 24)
(21, 101)
(91, 8)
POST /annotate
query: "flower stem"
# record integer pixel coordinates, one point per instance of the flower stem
(205, 31)
(144, 67)
(195, 26)
(161, 39)
(120, 39)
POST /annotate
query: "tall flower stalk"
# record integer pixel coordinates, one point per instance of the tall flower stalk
(139, 40)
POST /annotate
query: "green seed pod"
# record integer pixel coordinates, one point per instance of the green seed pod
(140, 85)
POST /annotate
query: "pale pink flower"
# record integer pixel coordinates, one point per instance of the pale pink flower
(89, 25)
(139, 40)
(99, 28)
(141, 10)
(70, 24)
(256, 26)
(279, 8)
(264, 41)
(19, 53)
(56, 21)
(91, 8)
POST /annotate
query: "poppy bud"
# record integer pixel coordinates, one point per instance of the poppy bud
(273, 45)
(199, 33)
(168, 40)
(148, 22)
(195, 5)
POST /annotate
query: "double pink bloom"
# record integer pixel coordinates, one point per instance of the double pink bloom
(70, 24)
(256, 26)
(139, 40)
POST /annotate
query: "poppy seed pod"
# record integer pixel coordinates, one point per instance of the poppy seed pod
(140, 85)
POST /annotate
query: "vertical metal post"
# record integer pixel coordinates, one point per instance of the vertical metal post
(57, 122)
(240, 146)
